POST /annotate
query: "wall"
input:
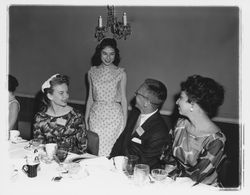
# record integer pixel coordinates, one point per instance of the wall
(167, 43)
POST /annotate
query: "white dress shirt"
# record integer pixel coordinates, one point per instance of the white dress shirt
(144, 117)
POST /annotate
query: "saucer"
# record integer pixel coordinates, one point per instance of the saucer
(18, 140)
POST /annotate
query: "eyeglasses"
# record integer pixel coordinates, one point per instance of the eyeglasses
(136, 94)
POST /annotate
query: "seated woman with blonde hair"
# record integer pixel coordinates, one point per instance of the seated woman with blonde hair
(58, 122)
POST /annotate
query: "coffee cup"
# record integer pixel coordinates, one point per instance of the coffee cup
(30, 169)
(14, 135)
(120, 162)
(51, 150)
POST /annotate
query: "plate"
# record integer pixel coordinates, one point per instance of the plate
(75, 171)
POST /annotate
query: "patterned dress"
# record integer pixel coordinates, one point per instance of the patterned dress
(197, 157)
(68, 130)
(106, 115)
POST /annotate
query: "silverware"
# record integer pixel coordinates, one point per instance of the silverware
(114, 162)
(150, 179)
(57, 178)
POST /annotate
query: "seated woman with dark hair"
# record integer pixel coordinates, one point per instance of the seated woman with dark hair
(198, 144)
(14, 106)
(58, 122)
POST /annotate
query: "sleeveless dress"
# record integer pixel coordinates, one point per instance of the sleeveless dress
(11, 101)
(106, 115)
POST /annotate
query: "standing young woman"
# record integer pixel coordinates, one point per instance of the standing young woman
(106, 109)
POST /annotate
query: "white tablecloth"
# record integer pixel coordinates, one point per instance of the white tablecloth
(97, 174)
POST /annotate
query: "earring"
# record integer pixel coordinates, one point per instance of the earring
(191, 109)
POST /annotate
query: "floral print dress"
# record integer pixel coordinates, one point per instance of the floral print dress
(68, 130)
(197, 157)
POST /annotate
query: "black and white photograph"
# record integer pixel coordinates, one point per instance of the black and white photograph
(130, 97)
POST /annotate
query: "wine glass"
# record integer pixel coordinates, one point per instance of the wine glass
(61, 155)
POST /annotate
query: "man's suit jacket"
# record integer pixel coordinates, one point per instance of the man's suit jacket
(149, 147)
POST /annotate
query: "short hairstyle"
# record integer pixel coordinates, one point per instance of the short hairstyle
(13, 83)
(107, 42)
(204, 91)
(57, 80)
(157, 92)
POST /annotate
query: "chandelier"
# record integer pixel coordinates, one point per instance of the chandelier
(118, 29)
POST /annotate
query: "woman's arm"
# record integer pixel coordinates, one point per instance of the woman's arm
(13, 114)
(89, 103)
(81, 134)
(124, 103)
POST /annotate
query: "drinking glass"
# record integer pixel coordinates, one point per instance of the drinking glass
(51, 150)
(132, 160)
(141, 174)
(36, 144)
(169, 168)
(61, 154)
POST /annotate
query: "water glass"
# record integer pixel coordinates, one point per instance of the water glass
(141, 174)
(132, 160)
(61, 154)
(51, 150)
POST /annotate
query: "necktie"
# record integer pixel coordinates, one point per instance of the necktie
(137, 124)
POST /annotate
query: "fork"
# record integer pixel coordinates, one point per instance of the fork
(114, 162)
(150, 179)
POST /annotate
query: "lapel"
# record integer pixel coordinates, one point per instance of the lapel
(131, 123)
(146, 126)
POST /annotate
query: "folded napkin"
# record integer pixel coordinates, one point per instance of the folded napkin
(97, 166)
(101, 162)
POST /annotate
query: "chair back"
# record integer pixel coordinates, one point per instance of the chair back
(93, 142)
(223, 170)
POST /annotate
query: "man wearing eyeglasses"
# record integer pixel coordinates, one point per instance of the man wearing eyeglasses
(145, 133)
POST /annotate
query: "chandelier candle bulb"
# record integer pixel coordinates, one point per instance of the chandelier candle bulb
(124, 19)
(119, 29)
(100, 21)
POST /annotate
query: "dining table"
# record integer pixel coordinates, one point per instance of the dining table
(95, 174)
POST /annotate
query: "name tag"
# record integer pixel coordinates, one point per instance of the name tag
(140, 131)
(136, 140)
(61, 121)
